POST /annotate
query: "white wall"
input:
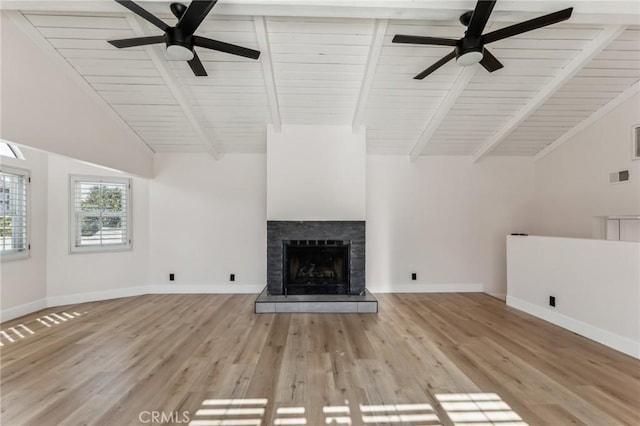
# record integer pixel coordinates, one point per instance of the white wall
(444, 218)
(23, 281)
(208, 220)
(44, 108)
(86, 276)
(595, 282)
(571, 183)
(316, 173)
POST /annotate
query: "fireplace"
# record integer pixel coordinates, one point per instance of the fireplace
(316, 267)
(315, 257)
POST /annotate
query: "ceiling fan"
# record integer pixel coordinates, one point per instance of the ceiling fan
(180, 40)
(470, 49)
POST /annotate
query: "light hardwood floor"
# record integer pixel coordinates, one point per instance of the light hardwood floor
(424, 359)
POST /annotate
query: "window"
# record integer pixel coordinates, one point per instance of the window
(11, 151)
(100, 214)
(636, 142)
(14, 184)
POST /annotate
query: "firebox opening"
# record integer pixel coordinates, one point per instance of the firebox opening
(316, 267)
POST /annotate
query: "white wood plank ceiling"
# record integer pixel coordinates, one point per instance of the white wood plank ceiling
(342, 69)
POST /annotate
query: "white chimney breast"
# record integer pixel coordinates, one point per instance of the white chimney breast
(316, 173)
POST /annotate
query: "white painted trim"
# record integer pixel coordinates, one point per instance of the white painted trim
(21, 310)
(205, 289)
(380, 30)
(463, 79)
(634, 141)
(138, 26)
(44, 45)
(614, 341)
(14, 255)
(426, 288)
(585, 12)
(75, 227)
(262, 36)
(595, 46)
(501, 296)
(605, 109)
(71, 299)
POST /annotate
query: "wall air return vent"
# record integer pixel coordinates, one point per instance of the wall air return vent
(619, 177)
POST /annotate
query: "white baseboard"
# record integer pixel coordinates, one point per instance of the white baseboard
(205, 288)
(614, 341)
(425, 288)
(20, 310)
(501, 296)
(71, 299)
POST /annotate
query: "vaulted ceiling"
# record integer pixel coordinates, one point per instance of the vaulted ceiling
(333, 62)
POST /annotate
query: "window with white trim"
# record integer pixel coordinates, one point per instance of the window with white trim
(14, 209)
(100, 213)
(636, 142)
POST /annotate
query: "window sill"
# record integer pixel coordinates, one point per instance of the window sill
(9, 257)
(87, 250)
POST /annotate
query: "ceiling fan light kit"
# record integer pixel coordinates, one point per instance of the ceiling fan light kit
(470, 50)
(177, 52)
(469, 58)
(180, 40)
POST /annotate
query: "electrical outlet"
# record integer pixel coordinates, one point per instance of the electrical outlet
(414, 276)
(232, 277)
(552, 301)
(172, 277)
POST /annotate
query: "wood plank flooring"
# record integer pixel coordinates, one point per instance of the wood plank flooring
(424, 359)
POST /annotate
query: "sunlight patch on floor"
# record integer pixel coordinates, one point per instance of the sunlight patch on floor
(463, 409)
(422, 414)
(478, 409)
(230, 412)
(21, 331)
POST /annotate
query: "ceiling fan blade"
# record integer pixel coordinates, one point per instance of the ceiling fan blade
(194, 15)
(144, 14)
(138, 41)
(490, 62)
(529, 25)
(225, 47)
(196, 66)
(480, 17)
(399, 38)
(435, 66)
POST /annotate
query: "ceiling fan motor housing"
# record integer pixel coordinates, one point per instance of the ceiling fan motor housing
(174, 36)
(469, 50)
(179, 44)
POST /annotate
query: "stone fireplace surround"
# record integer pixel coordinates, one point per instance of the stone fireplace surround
(279, 231)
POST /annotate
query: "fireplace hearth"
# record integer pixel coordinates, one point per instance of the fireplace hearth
(316, 258)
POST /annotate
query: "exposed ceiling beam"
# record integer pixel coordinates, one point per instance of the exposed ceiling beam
(139, 28)
(44, 45)
(463, 79)
(592, 48)
(605, 109)
(585, 12)
(267, 69)
(369, 72)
